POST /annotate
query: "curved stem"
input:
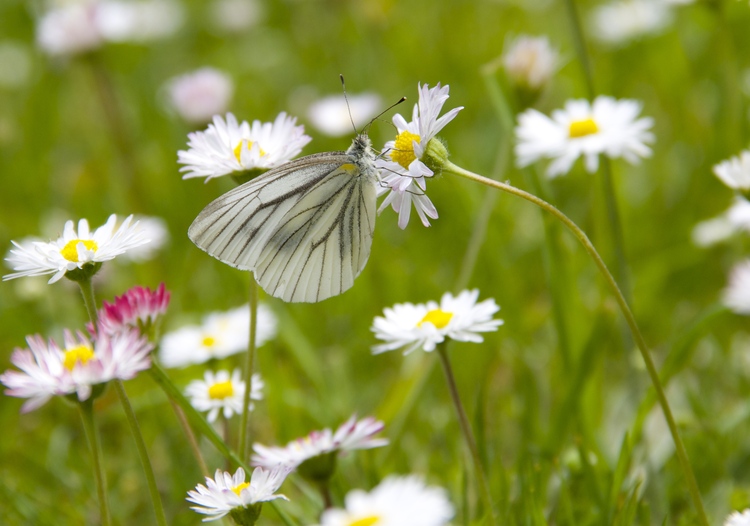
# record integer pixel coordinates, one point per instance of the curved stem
(244, 447)
(466, 430)
(89, 300)
(92, 435)
(629, 318)
(191, 438)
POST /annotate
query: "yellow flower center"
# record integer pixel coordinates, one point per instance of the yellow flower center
(208, 341)
(242, 144)
(70, 250)
(403, 150)
(237, 489)
(81, 354)
(365, 521)
(439, 318)
(582, 128)
(221, 390)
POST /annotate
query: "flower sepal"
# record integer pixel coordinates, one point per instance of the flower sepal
(84, 273)
(319, 468)
(97, 390)
(247, 175)
(246, 515)
(435, 155)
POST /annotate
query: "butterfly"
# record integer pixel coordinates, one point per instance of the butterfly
(303, 228)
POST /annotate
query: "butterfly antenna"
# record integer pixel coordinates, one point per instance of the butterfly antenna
(389, 108)
(348, 108)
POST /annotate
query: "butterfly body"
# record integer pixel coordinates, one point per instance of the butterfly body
(304, 228)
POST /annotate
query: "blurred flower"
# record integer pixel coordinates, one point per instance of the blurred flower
(139, 308)
(321, 445)
(199, 95)
(424, 326)
(405, 166)
(735, 172)
(48, 370)
(530, 62)
(226, 493)
(73, 250)
(396, 501)
(69, 29)
(221, 334)
(236, 15)
(218, 392)
(139, 20)
(331, 115)
(737, 294)
(608, 126)
(715, 230)
(227, 147)
(155, 230)
(624, 20)
(737, 518)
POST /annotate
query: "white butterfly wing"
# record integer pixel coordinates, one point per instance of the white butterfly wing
(304, 228)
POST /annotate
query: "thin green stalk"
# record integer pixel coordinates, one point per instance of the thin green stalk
(89, 300)
(463, 420)
(244, 447)
(579, 41)
(92, 435)
(629, 318)
(148, 470)
(191, 438)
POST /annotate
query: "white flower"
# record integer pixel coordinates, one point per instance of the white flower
(737, 518)
(530, 61)
(402, 170)
(69, 29)
(737, 294)
(623, 20)
(331, 115)
(411, 327)
(220, 392)
(227, 147)
(608, 126)
(139, 20)
(74, 249)
(396, 501)
(236, 15)
(715, 230)
(351, 435)
(225, 492)
(221, 334)
(48, 370)
(735, 172)
(155, 230)
(199, 95)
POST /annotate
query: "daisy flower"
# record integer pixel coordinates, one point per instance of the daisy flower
(69, 29)
(737, 518)
(735, 172)
(624, 20)
(331, 115)
(47, 370)
(228, 146)
(736, 296)
(608, 126)
(220, 392)
(139, 307)
(425, 325)
(405, 166)
(221, 334)
(199, 95)
(74, 249)
(530, 62)
(734, 220)
(227, 493)
(352, 434)
(153, 228)
(396, 501)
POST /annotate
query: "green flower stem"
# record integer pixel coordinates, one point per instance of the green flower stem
(89, 300)
(466, 430)
(580, 45)
(92, 435)
(140, 444)
(629, 318)
(244, 447)
(191, 437)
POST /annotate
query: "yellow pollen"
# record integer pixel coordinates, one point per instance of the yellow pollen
(439, 318)
(403, 150)
(70, 250)
(249, 144)
(366, 521)
(237, 489)
(76, 355)
(582, 128)
(221, 390)
(208, 341)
